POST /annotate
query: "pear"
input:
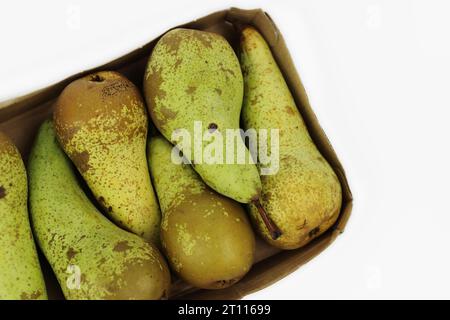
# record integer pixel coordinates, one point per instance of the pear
(20, 272)
(304, 197)
(206, 237)
(91, 257)
(101, 123)
(194, 77)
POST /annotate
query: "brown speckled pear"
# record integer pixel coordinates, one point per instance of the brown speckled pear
(91, 257)
(101, 123)
(20, 272)
(206, 237)
(195, 76)
(304, 197)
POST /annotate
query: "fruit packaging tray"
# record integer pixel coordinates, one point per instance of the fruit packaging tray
(21, 117)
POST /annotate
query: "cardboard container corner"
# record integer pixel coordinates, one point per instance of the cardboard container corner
(21, 117)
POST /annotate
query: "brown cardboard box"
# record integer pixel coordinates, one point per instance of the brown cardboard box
(21, 117)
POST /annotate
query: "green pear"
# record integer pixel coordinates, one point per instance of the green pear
(20, 272)
(91, 257)
(206, 237)
(101, 123)
(304, 197)
(194, 77)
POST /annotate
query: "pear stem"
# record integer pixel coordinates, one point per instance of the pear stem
(273, 229)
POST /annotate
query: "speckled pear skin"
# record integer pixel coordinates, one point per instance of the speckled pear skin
(206, 237)
(304, 197)
(113, 263)
(20, 273)
(195, 76)
(101, 123)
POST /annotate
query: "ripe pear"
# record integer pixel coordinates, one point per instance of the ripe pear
(206, 237)
(304, 197)
(101, 123)
(194, 77)
(91, 257)
(20, 272)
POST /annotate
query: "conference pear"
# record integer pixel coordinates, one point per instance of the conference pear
(304, 197)
(206, 237)
(20, 272)
(91, 257)
(102, 124)
(193, 80)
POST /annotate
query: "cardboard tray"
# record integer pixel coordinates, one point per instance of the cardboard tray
(21, 117)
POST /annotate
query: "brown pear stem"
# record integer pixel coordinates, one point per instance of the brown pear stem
(273, 229)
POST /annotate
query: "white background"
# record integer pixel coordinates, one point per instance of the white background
(378, 77)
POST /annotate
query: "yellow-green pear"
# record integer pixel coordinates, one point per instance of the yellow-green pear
(304, 197)
(206, 237)
(101, 123)
(20, 272)
(91, 257)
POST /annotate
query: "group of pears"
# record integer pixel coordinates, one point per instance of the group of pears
(105, 196)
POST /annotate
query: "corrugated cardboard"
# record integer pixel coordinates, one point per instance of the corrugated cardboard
(21, 117)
